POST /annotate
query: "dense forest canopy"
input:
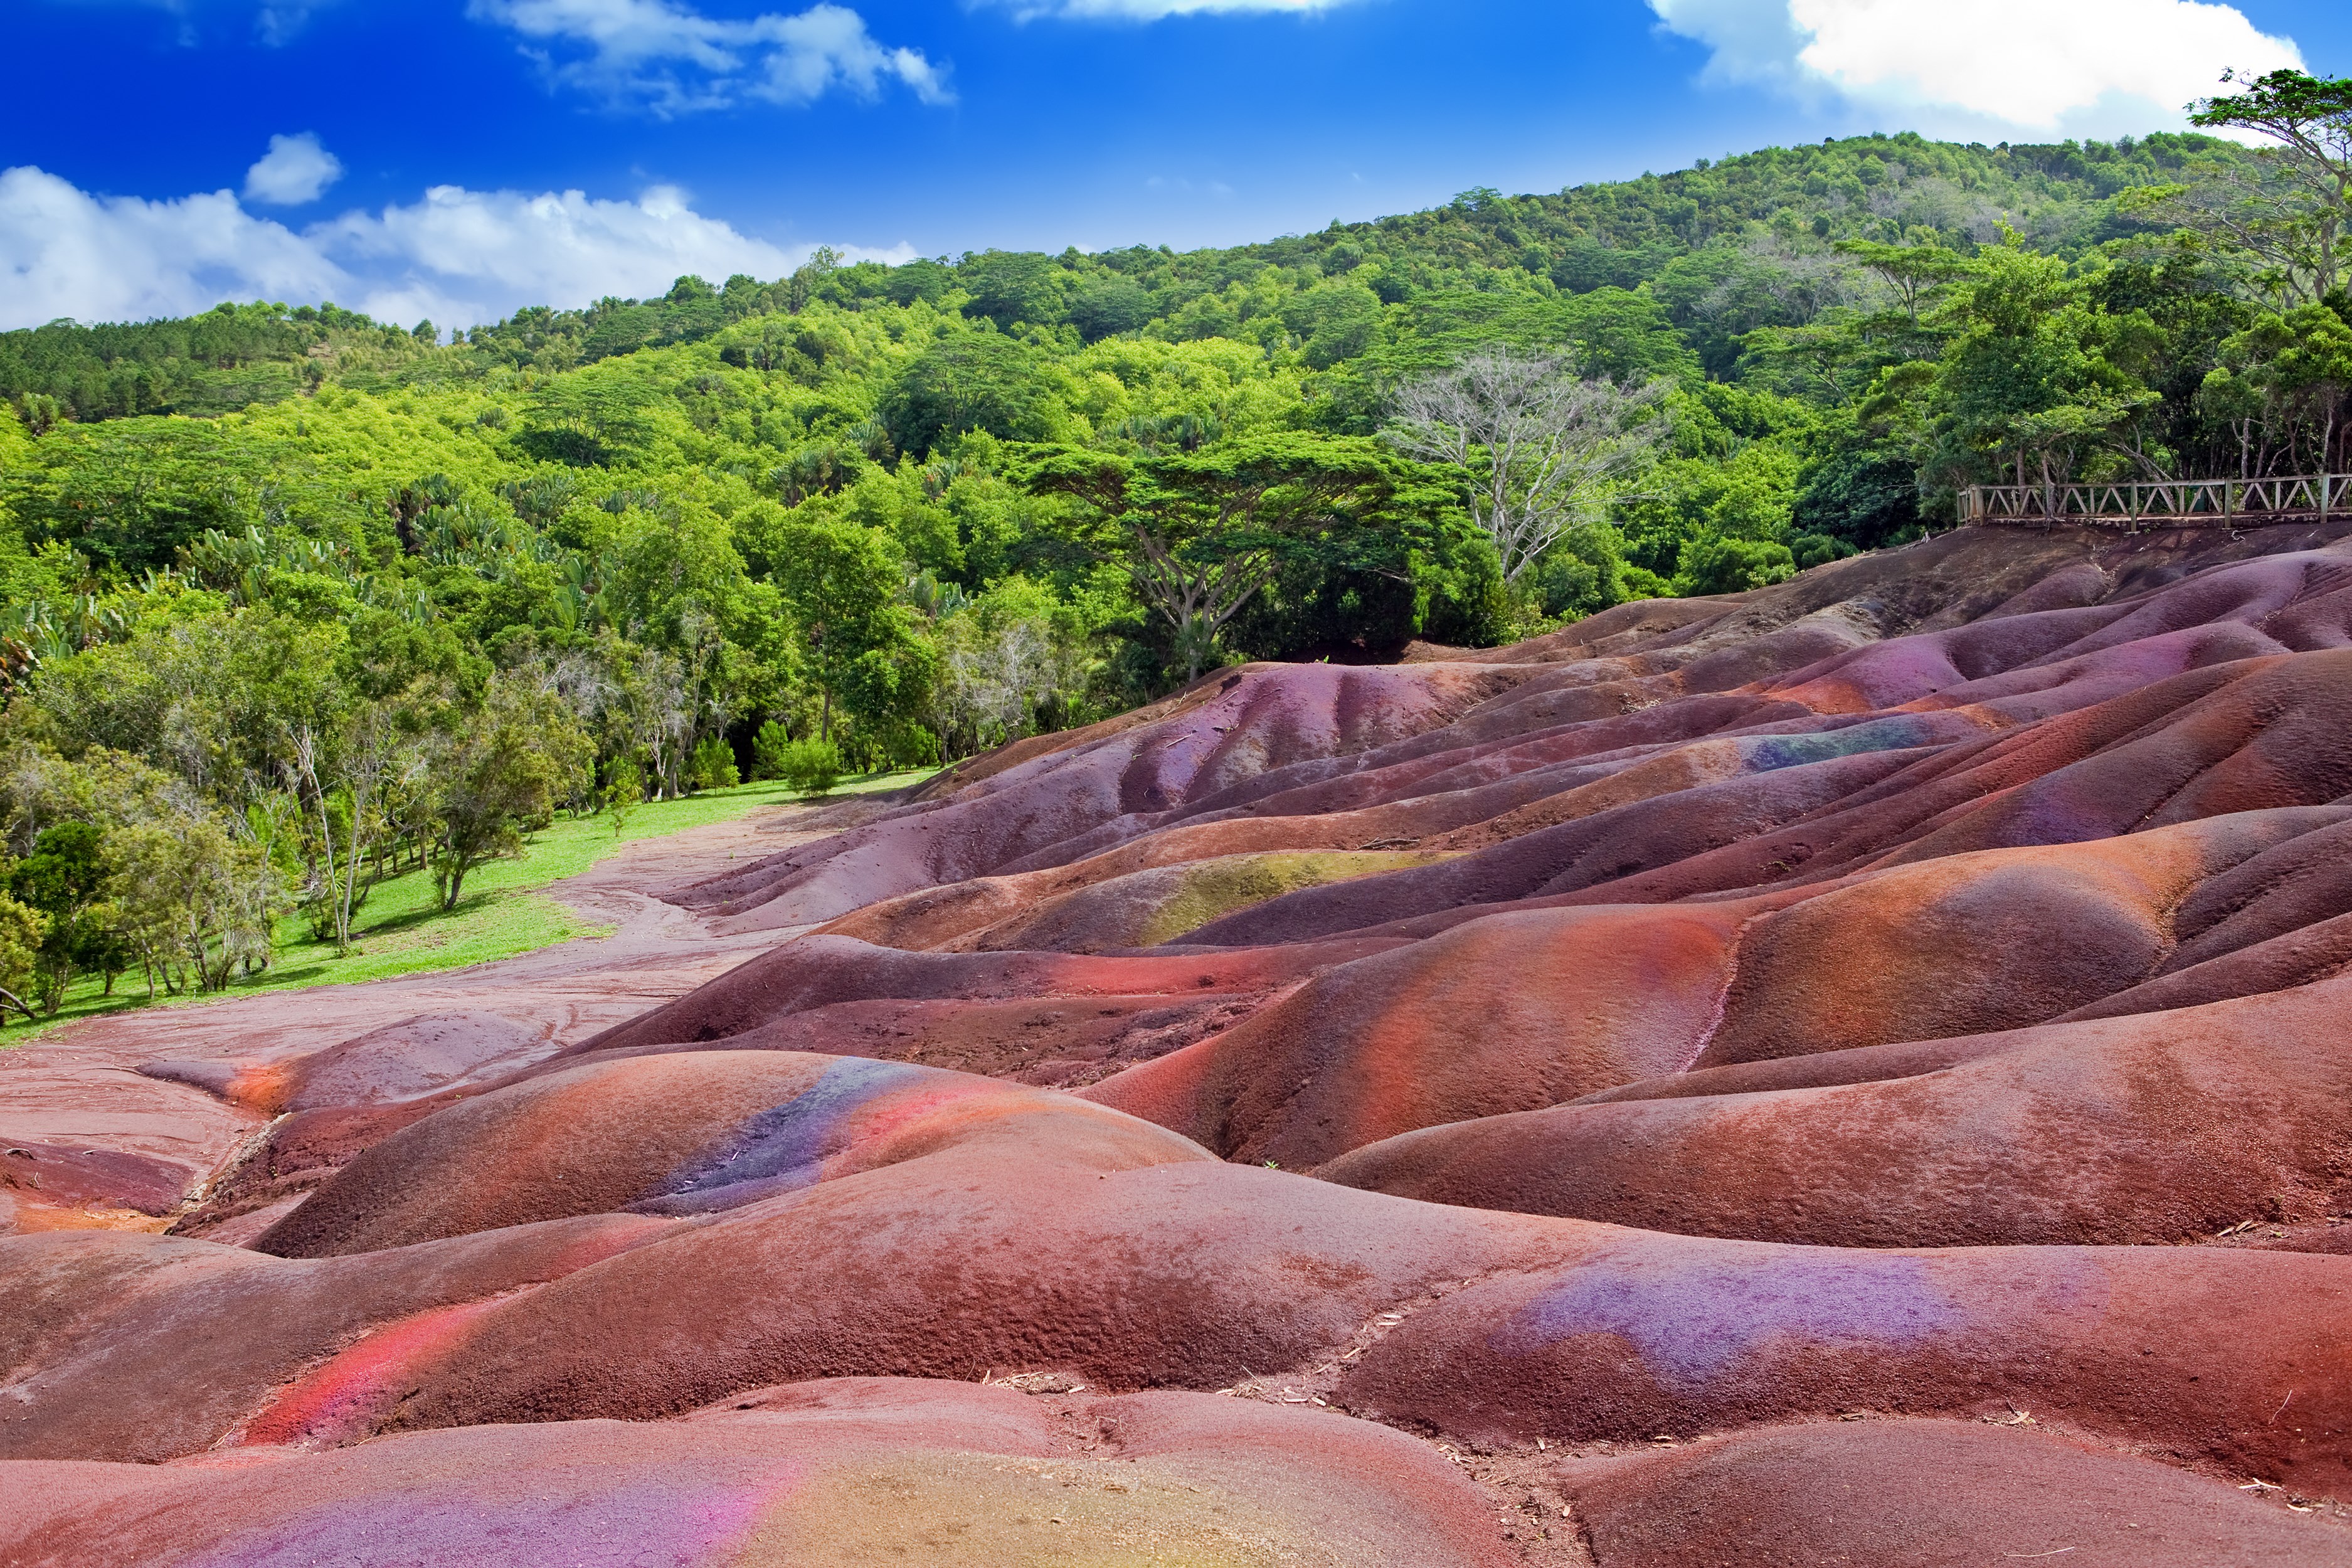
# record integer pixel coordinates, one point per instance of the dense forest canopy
(289, 596)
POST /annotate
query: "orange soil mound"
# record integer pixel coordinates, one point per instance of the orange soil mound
(1708, 1021)
(824, 1473)
(2149, 1128)
(1928, 1494)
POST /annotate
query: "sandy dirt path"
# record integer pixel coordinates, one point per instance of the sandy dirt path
(111, 1142)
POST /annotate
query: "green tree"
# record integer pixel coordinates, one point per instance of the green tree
(967, 381)
(1333, 322)
(1201, 533)
(625, 790)
(917, 279)
(497, 775)
(712, 765)
(2035, 380)
(864, 650)
(768, 751)
(21, 937)
(1013, 661)
(353, 770)
(64, 880)
(1713, 564)
(2287, 377)
(1916, 276)
(1012, 286)
(1109, 305)
(197, 901)
(2293, 208)
(811, 766)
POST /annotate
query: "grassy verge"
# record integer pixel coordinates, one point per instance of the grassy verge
(401, 929)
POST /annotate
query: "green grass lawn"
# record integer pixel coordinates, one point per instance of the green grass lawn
(401, 929)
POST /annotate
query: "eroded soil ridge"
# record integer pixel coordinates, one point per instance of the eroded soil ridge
(1854, 1071)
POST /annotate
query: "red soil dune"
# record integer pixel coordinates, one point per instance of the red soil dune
(1603, 994)
(1928, 1494)
(850, 1471)
(1854, 1071)
(687, 1134)
(402, 1061)
(1131, 1261)
(2149, 1128)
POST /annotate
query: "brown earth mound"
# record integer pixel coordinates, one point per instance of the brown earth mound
(406, 1060)
(1848, 1072)
(1928, 1494)
(851, 1471)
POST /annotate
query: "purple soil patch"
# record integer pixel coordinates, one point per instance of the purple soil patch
(1691, 1319)
(45, 1173)
(1851, 998)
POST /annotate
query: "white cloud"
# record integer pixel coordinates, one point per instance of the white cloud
(671, 59)
(1752, 40)
(2033, 65)
(445, 256)
(295, 171)
(114, 258)
(279, 23)
(457, 256)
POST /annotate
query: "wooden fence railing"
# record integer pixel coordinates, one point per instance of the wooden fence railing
(2162, 503)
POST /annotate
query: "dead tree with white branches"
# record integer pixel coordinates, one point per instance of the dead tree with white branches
(1545, 448)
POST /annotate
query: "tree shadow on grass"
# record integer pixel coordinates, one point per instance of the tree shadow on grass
(396, 925)
(275, 975)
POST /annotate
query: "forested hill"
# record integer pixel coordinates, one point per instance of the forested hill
(1683, 234)
(280, 580)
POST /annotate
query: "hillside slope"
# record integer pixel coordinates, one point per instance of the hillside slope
(1849, 1070)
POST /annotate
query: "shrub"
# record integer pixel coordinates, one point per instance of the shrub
(21, 932)
(908, 745)
(768, 748)
(1818, 550)
(712, 765)
(811, 767)
(1713, 565)
(625, 790)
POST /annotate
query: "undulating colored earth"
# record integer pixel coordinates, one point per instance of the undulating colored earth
(1855, 1072)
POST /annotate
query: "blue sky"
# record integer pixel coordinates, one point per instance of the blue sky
(731, 135)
